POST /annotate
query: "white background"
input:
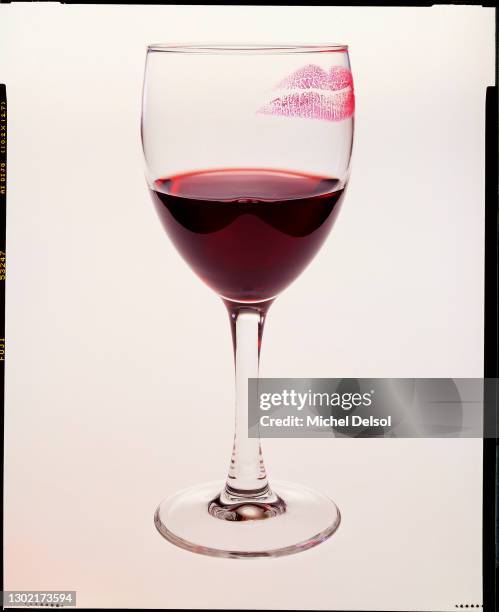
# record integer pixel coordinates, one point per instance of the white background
(119, 372)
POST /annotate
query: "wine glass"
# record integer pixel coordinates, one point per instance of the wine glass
(247, 153)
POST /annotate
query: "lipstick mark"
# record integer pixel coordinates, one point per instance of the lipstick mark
(314, 93)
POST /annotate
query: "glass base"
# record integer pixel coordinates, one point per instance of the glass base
(308, 519)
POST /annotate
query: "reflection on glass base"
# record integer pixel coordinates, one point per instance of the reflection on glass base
(309, 518)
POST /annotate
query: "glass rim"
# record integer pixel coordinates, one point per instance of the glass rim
(245, 48)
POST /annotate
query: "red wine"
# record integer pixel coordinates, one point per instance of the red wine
(247, 233)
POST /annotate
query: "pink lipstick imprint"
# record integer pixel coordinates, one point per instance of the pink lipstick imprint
(314, 93)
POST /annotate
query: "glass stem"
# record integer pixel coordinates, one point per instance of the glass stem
(247, 494)
(247, 475)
